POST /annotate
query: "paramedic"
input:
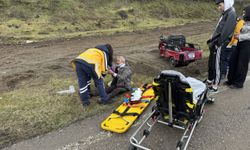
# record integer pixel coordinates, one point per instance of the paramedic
(93, 63)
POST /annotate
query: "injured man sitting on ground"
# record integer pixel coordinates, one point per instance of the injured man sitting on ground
(121, 74)
(121, 78)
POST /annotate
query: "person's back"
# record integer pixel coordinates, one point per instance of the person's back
(93, 64)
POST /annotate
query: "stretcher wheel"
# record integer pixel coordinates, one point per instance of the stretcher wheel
(210, 100)
(132, 147)
(153, 108)
(179, 145)
(146, 133)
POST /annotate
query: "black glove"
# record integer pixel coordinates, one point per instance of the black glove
(103, 75)
(211, 44)
(209, 41)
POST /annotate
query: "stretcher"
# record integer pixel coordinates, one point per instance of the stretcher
(180, 105)
(121, 119)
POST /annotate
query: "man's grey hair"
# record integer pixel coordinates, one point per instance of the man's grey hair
(121, 58)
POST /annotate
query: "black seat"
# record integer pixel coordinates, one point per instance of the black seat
(180, 93)
(178, 40)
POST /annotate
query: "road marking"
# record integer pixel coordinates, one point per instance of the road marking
(86, 141)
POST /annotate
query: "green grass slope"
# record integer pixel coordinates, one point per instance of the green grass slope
(22, 20)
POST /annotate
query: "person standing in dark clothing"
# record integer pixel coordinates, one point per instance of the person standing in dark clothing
(242, 54)
(234, 57)
(219, 41)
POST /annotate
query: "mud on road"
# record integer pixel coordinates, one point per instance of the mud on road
(22, 64)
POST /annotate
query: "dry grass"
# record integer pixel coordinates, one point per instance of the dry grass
(32, 111)
(44, 20)
(202, 41)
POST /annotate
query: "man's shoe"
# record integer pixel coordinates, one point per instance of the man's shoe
(235, 86)
(85, 104)
(227, 83)
(208, 82)
(109, 101)
(213, 89)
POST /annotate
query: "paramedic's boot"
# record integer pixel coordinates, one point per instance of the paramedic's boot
(85, 104)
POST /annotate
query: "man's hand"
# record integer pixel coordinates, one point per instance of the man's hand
(110, 72)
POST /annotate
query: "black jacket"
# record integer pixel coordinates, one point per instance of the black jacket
(225, 27)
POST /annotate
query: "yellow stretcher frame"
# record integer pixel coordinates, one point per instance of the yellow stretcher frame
(120, 124)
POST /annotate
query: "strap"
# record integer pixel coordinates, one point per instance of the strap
(147, 96)
(125, 113)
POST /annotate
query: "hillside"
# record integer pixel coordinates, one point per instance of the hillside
(22, 20)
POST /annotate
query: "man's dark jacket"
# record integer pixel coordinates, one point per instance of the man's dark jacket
(225, 27)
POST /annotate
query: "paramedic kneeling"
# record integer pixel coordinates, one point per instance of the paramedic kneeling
(93, 63)
(121, 78)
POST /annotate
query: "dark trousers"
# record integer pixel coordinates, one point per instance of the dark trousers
(84, 74)
(211, 63)
(232, 65)
(239, 64)
(214, 65)
(114, 91)
(224, 60)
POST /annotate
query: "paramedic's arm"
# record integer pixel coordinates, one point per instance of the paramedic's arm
(227, 30)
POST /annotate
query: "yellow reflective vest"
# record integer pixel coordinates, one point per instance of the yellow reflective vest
(95, 57)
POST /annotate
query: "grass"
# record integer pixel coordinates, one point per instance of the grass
(198, 69)
(44, 20)
(32, 111)
(202, 41)
(36, 20)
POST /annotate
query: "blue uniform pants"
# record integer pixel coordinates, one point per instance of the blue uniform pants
(84, 74)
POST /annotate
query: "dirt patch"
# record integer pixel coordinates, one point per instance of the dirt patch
(5, 138)
(14, 79)
(41, 60)
(144, 69)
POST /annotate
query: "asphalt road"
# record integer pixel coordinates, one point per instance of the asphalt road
(225, 126)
